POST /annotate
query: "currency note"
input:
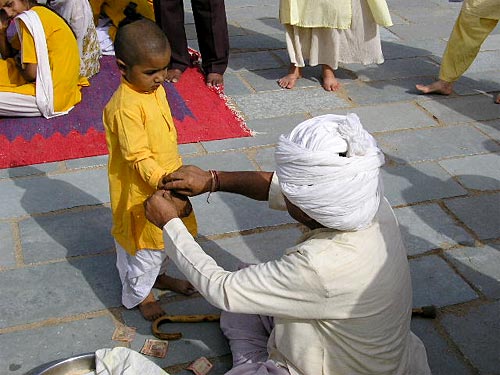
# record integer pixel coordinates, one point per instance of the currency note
(124, 333)
(155, 348)
(201, 366)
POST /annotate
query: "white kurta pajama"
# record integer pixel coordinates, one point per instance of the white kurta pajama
(341, 301)
(329, 33)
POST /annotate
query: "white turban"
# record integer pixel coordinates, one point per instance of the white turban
(341, 192)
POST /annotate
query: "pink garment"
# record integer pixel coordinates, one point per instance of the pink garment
(248, 335)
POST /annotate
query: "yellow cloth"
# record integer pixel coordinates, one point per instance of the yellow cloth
(142, 144)
(114, 10)
(475, 22)
(64, 61)
(327, 13)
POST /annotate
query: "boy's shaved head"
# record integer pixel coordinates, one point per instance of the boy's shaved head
(137, 39)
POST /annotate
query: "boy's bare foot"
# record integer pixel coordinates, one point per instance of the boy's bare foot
(150, 308)
(288, 81)
(330, 83)
(165, 282)
(215, 79)
(497, 100)
(173, 75)
(438, 87)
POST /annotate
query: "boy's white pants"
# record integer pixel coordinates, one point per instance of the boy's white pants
(138, 273)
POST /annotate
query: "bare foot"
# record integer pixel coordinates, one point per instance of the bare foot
(438, 87)
(150, 308)
(330, 83)
(497, 100)
(173, 75)
(215, 79)
(288, 81)
(165, 282)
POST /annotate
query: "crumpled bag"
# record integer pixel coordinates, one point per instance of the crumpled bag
(124, 361)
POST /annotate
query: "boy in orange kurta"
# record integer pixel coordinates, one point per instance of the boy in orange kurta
(142, 144)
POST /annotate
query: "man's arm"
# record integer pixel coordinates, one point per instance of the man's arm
(191, 180)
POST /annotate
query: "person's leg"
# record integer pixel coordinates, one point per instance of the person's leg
(330, 83)
(462, 48)
(213, 38)
(169, 16)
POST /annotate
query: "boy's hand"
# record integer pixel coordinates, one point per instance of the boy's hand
(188, 180)
(162, 207)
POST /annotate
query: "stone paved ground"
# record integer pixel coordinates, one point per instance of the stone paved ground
(60, 293)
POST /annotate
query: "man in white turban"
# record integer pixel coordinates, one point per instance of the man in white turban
(337, 303)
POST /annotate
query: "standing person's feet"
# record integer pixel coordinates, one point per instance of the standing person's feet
(173, 75)
(165, 282)
(215, 79)
(330, 83)
(438, 87)
(497, 100)
(150, 308)
(288, 81)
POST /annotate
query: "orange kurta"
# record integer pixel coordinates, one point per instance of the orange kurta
(64, 60)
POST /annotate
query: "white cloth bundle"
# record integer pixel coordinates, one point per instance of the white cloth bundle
(341, 192)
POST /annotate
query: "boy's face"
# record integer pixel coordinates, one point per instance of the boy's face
(148, 74)
(12, 8)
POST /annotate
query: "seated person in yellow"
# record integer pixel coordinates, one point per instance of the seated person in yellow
(142, 144)
(113, 9)
(39, 69)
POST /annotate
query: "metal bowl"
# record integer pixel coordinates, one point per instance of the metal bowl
(69, 366)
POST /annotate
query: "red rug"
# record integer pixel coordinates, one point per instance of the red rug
(200, 114)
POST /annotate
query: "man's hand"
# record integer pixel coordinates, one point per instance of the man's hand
(164, 206)
(188, 180)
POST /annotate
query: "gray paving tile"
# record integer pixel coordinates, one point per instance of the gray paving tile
(251, 12)
(29, 171)
(265, 159)
(388, 117)
(7, 248)
(188, 148)
(257, 42)
(464, 109)
(39, 194)
(477, 333)
(428, 30)
(266, 26)
(413, 48)
(229, 161)
(66, 235)
(482, 81)
(480, 266)
(480, 213)
(25, 350)
(49, 291)
(484, 61)
(387, 36)
(435, 283)
(428, 227)
(443, 360)
(251, 61)
(394, 69)
(434, 14)
(266, 132)
(480, 172)
(491, 43)
(430, 144)
(285, 102)
(418, 183)
(234, 85)
(198, 339)
(491, 128)
(94, 161)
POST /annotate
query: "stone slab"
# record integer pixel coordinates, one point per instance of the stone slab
(265, 159)
(251, 12)
(463, 109)
(251, 61)
(443, 360)
(491, 128)
(265, 132)
(480, 266)
(29, 171)
(480, 213)
(425, 30)
(435, 283)
(228, 161)
(430, 144)
(257, 42)
(477, 334)
(417, 183)
(479, 172)
(388, 117)
(188, 148)
(483, 81)
(49, 291)
(267, 26)
(66, 235)
(31, 349)
(393, 69)
(40, 194)
(285, 102)
(94, 161)
(428, 227)
(7, 247)
(235, 85)
(395, 49)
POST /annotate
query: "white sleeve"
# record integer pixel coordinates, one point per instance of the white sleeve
(276, 198)
(288, 287)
